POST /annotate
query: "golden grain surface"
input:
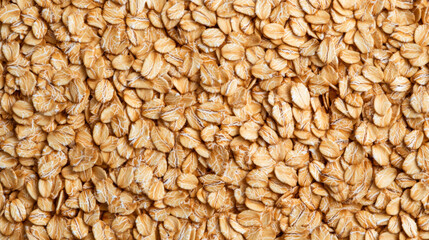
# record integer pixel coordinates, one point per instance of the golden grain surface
(214, 119)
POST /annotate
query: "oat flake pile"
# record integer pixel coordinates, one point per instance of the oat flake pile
(214, 119)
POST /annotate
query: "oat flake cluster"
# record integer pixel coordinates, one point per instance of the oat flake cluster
(214, 119)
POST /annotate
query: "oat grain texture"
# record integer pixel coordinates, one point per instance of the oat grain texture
(214, 119)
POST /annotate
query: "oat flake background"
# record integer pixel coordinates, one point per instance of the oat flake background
(214, 119)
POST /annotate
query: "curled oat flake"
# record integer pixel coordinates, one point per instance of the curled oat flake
(214, 119)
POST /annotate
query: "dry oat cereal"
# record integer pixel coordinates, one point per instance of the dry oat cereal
(214, 119)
